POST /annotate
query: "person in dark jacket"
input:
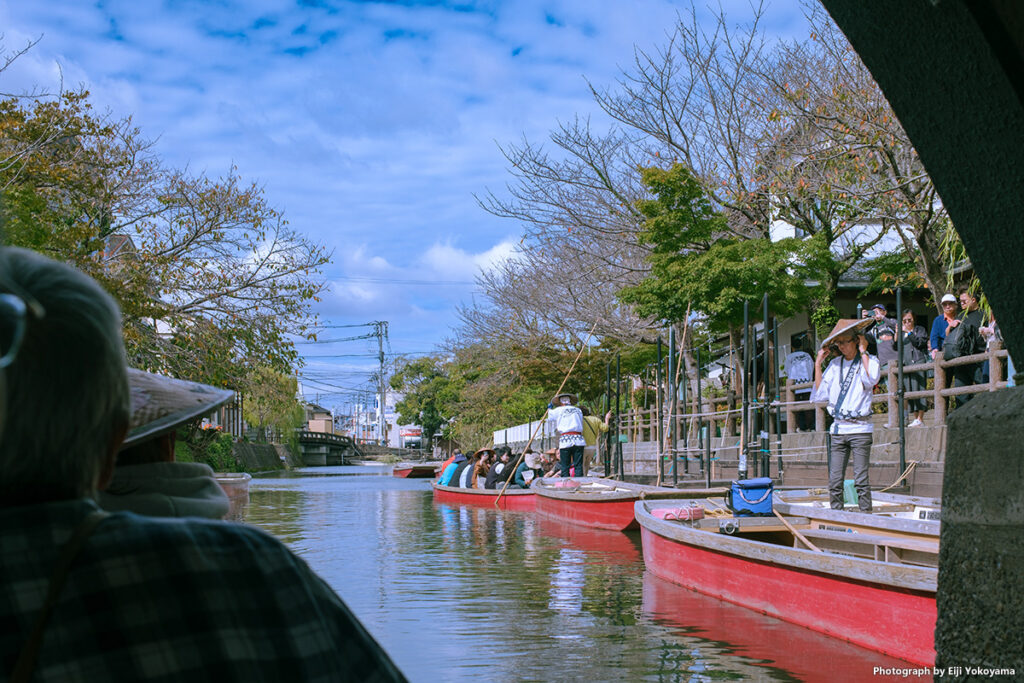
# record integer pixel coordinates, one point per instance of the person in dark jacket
(963, 338)
(915, 350)
(501, 470)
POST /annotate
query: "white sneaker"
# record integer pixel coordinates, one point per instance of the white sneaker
(916, 423)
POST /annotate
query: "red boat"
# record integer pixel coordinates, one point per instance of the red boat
(873, 586)
(407, 471)
(512, 499)
(601, 503)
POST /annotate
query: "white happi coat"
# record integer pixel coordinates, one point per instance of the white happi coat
(568, 418)
(852, 416)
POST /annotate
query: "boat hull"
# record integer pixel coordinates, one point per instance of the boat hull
(414, 472)
(610, 508)
(897, 621)
(614, 515)
(513, 499)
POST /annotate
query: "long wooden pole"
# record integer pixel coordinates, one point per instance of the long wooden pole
(796, 532)
(544, 417)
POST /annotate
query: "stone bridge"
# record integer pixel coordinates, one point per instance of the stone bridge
(320, 449)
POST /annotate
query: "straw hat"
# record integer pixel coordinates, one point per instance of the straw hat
(532, 460)
(847, 326)
(160, 404)
(481, 452)
(573, 398)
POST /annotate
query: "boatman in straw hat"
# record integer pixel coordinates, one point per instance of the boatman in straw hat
(568, 420)
(846, 384)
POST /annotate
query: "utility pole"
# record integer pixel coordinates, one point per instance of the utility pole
(381, 330)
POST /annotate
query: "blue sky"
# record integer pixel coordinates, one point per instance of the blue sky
(370, 124)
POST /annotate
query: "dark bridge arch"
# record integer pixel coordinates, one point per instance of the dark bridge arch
(319, 448)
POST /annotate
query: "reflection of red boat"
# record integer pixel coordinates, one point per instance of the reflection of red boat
(512, 499)
(611, 547)
(885, 604)
(414, 471)
(601, 503)
(803, 653)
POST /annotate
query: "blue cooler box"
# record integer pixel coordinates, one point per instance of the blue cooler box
(751, 497)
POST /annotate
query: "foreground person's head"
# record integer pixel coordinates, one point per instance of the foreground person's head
(67, 391)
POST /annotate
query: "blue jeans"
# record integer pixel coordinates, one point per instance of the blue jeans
(571, 456)
(843, 446)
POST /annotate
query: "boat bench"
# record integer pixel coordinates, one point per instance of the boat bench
(875, 547)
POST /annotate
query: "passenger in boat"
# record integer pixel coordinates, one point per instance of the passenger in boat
(482, 467)
(847, 384)
(549, 464)
(449, 472)
(447, 462)
(501, 470)
(568, 420)
(147, 479)
(528, 470)
(94, 596)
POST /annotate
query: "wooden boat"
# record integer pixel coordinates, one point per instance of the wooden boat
(601, 503)
(882, 503)
(872, 585)
(512, 499)
(236, 487)
(411, 471)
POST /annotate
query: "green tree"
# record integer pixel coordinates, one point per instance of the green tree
(697, 265)
(426, 393)
(270, 401)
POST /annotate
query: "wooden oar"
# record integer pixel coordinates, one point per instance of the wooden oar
(544, 417)
(796, 533)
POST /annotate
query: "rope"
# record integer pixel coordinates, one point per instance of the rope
(910, 468)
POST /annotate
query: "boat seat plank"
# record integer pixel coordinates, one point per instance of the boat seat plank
(883, 548)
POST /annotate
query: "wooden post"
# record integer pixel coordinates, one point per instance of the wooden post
(995, 369)
(940, 384)
(893, 418)
(819, 418)
(790, 413)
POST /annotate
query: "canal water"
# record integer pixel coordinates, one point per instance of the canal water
(461, 593)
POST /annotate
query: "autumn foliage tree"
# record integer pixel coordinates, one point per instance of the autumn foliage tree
(210, 278)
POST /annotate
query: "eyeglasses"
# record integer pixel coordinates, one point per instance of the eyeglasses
(14, 311)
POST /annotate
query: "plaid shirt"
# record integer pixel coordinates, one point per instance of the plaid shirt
(174, 600)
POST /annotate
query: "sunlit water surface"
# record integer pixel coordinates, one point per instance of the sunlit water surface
(459, 593)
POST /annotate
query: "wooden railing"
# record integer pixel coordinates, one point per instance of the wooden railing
(723, 417)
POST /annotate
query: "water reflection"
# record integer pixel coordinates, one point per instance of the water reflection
(473, 593)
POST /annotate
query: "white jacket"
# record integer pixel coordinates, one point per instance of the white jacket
(851, 418)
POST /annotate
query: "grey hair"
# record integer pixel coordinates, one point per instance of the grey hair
(67, 390)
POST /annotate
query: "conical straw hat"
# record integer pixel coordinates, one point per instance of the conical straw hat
(162, 404)
(847, 326)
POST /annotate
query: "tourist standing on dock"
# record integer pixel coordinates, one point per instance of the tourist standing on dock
(941, 324)
(915, 343)
(95, 596)
(568, 420)
(847, 384)
(963, 338)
